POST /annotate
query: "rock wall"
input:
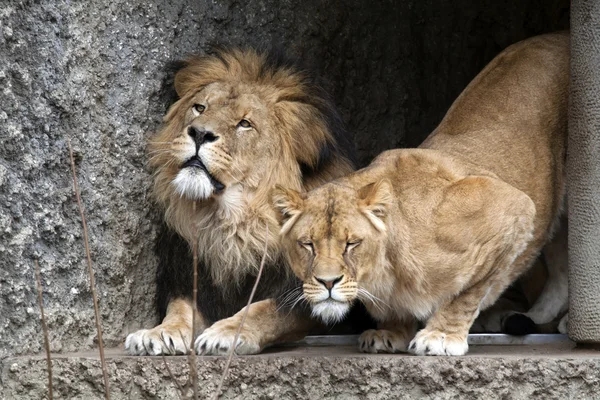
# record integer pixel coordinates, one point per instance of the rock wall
(96, 71)
(583, 175)
(490, 373)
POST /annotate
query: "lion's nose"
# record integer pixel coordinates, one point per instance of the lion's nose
(329, 283)
(201, 136)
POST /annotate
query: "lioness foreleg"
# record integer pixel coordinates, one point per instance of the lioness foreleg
(265, 325)
(447, 330)
(173, 336)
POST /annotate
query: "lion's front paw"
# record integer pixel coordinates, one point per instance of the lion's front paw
(382, 341)
(218, 339)
(161, 340)
(437, 343)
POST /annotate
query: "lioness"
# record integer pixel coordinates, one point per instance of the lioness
(244, 122)
(437, 233)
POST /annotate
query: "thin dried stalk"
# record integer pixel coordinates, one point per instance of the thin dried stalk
(239, 330)
(180, 391)
(38, 281)
(193, 371)
(91, 274)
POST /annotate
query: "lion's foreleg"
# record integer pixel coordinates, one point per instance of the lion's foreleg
(172, 336)
(265, 325)
(389, 337)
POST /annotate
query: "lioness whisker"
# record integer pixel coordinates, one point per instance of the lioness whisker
(298, 300)
(377, 302)
(289, 295)
(291, 298)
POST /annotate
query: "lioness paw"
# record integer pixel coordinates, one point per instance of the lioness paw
(161, 340)
(218, 340)
(437, 343)
(382, 341)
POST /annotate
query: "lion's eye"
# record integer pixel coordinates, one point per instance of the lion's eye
(352, 244)
(244, 124)
(198, 109)
(308, 245)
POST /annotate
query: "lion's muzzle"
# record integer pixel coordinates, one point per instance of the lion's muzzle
(201, 136)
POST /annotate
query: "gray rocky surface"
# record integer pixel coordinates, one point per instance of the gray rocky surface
(95, 71)
(583, 175)
(490, 373)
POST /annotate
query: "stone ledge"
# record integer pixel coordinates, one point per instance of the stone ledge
(550, 371)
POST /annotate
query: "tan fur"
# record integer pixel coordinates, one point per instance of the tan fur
(288, 129)
(438, 233)
(172, 336)
(264, 326)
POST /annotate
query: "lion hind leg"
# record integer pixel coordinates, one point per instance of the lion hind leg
(172, 337)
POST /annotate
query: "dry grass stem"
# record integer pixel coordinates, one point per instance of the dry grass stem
(91, 274)
(38, 281)
(180, 390)
(193, 372)
(239, 330)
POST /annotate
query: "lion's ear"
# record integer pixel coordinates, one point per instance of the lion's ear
(374, 201)
(288, 203)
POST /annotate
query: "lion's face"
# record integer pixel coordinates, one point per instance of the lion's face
(244, 123)
(227, 137)
(241, 125)
(334, 239)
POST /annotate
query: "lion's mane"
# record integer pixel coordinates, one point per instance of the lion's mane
(231, 228)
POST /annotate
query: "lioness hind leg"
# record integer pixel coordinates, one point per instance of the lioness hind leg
(173, 336)
(265, 325)
(554, 299)
(390, 337)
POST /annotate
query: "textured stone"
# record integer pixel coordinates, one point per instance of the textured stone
(489, 372)
(584, 174)
(96, 71)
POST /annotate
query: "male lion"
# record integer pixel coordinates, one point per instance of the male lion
(244, 122)
(437, 233)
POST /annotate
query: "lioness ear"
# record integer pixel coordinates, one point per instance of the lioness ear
(288, 203)
(374, 200)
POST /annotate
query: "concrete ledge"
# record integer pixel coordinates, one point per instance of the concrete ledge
(548, 371)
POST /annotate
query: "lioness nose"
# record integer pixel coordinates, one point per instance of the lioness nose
(330, 282)
(200, 136)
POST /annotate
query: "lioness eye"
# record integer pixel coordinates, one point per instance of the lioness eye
(198, 109)
(244, 124)
(307, 245)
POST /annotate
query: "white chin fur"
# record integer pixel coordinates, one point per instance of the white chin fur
(193, 183)
(330, 311)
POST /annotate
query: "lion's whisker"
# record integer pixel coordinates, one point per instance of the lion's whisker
(159, 155)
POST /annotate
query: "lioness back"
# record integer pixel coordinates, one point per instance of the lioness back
(438, 233)
(512, 120)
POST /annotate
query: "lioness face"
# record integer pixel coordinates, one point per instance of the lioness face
(226, 133)
(332, 238)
